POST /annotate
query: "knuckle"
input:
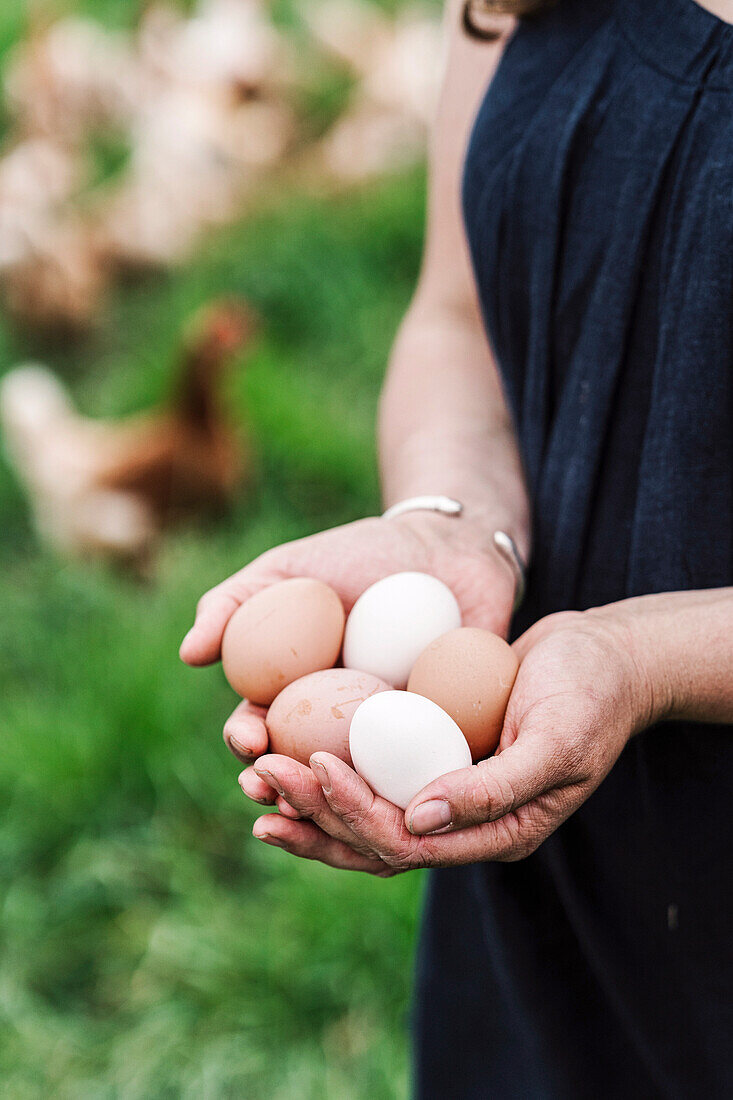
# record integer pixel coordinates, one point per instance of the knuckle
(572, 756)
(402, 859)
(505, 837)
(522, 838)
(354, 816)
(494, 794)
(205, 602)
(368, 817)
(302, 796)
(478, 799)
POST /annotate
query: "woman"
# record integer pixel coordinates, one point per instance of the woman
(577, 941)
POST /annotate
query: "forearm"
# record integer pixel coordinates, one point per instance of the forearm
(444, 426)
(683, 642)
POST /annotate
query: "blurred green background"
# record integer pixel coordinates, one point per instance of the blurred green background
(150, 947)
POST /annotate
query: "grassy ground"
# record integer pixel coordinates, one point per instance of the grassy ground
(150, 947)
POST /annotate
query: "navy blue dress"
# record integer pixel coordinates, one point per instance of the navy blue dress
(598, 200)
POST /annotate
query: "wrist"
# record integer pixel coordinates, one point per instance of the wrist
(488, 486)
(641, 635)
(481, 519)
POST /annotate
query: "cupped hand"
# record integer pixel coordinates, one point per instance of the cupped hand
(350, 558)
(581, 692)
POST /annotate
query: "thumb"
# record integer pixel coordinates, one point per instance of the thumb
(487, 791)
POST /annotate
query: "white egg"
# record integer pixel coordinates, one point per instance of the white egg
(394, 620)
(400, 742)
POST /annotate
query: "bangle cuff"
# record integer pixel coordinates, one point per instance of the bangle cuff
(508, 549)
(446, 506)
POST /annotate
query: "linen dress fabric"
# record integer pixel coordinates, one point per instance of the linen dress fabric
(598, 200)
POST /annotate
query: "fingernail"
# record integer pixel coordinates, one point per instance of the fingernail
(430, 816)
(269, 778)
(268, 838)
(243, 750)
(321, 775)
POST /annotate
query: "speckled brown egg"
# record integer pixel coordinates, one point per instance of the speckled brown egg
(314, 714)
(284, 632)
(470, 674)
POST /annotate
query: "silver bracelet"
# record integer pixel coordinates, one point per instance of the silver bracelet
(509, 550)
(448, 506)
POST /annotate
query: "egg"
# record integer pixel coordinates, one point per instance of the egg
(400, 742)
(469, 673)
(394, 620)
(282, 633)
(314, 713)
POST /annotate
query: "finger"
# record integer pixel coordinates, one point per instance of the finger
(376, 823)
(304, 839)
(301, 790)
(202, 644)
(490, 789)
(381, 824)
(256, 788)
(287, 810)
(512, 837)
(245, 733)
(259, 791)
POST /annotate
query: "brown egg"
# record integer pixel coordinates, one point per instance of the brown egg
(284, 632)
(470, 674)
(314, 713)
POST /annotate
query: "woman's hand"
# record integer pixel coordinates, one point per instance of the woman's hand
(458, 551)
(581, 692)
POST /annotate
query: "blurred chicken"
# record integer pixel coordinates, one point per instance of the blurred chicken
(64, 82)
(398, 68)
(72, 77)
(37, 177)
(194, 158)
(58, 284)
(224, 44)
(199, 101)
(50, 271)
(216, 120)
(105, 488)
(353, 31)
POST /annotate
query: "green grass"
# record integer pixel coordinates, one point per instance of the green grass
(151, 948)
